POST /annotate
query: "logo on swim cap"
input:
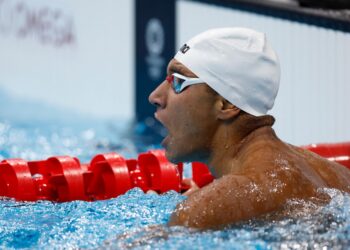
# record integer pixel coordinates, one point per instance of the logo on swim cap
(184, 48)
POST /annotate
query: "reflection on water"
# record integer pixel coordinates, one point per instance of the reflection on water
(136, 220)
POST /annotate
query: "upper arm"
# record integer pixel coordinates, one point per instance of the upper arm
(230, 199)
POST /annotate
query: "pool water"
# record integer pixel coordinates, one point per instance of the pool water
(138, 220)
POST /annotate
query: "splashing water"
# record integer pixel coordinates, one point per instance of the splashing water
(136, 220)
(80, 224)
(327, 228)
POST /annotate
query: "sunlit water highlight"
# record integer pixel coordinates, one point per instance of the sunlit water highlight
(137, 220)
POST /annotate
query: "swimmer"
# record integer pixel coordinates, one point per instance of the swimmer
(214, 103)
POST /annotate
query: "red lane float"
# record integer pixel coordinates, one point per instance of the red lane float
(63, 178)
(16, 180)
(162, 175)
(110, 176)
(200, 174)
(338, 152)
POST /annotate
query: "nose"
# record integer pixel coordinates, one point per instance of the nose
(158, 96)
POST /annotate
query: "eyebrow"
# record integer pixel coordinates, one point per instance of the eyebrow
(176, 69)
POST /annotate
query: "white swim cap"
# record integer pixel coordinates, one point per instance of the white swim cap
(238, 63)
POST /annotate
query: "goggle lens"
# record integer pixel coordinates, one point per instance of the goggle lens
(179, 82)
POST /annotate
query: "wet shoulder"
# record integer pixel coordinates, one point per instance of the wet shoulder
(279, 166)
(333, 174)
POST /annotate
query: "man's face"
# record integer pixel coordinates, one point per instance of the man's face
(188, 116)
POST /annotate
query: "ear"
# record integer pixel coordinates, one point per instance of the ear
(227, 110)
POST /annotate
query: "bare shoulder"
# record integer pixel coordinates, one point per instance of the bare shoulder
(333, 174)
(230, 199)
(269, 173)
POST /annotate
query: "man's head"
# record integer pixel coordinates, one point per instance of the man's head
(238, 63)
(241, 72)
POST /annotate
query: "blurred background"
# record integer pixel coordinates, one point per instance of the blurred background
(99, 60)
(72, 55)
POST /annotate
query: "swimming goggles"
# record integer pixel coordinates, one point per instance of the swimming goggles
(179, 82)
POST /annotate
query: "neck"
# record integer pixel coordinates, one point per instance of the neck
(231, 137)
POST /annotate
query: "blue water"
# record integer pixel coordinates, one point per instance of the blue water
(137, 220)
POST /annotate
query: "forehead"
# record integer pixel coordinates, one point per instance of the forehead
(175, 66)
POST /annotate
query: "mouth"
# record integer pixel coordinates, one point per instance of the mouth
(165, 142)
(164, 132)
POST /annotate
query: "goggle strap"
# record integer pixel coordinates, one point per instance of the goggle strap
(169, 79)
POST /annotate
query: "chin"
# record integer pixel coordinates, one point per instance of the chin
(177, 151)
(174, 156)
(177, 157)
(171, 157)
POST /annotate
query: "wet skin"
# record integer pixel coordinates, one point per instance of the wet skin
(256, 172)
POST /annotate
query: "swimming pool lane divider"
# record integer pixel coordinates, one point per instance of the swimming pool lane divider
(337, 152)
(64, 178)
